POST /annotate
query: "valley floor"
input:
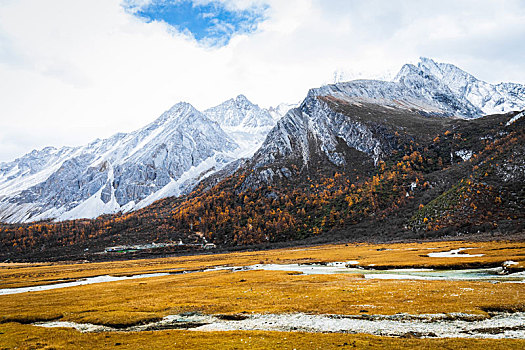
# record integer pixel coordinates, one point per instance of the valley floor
(418, 295)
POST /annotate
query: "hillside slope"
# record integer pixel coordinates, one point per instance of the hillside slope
(126, 172)
(363, 160)
(434, 177)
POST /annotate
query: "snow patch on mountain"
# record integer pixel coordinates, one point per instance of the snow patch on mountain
(186, 181)
(515, 118)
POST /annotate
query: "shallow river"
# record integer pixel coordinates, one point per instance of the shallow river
(456, 325)
(489, 275)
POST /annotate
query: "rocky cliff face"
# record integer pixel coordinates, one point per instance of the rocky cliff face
(124, 172)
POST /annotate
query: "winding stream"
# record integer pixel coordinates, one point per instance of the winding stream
(493, 275)
(80, 282)
(456, 325)
(496, 274)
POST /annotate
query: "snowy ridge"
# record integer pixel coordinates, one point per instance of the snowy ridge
(429, 89)
(169, 156)
(246, 123)
(280, 110)
(515, 118)
(433, 88)
(487, 98)
(125, 172)
(240, 112)
(410, 91)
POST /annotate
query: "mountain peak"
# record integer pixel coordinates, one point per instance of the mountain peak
(406, 70)
(426, 61)
(445, 72)
(463, 87)
(182, 107)
(123, 172)
(242, 99)
(178, 111)
(239, 112)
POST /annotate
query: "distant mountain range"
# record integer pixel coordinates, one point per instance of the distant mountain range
(129, 171)
(173, 154)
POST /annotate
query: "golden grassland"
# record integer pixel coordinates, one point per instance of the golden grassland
(399, 256)
(28, 337)
(130, 302)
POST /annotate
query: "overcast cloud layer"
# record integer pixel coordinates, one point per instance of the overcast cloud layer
(72, 71)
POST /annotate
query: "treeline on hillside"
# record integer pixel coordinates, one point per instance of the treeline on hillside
(491, 195)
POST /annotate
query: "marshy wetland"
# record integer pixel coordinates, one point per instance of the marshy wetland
(434, 294)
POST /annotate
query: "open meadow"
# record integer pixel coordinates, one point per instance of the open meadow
(434, 294)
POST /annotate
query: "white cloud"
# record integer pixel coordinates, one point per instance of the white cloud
(72, 71)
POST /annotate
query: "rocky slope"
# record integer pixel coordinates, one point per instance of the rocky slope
(130, 171)
(373, 112)
(348, 127)
(489, 98)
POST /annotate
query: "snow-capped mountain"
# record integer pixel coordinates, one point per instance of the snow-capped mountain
(433, 88)
(314, 130)
(246, 123)
(412, 89)
(311, 131)
(239, 112)
(128, 171)
(489, 98)
(171, 155)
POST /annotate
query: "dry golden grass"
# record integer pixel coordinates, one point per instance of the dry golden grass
(29, 337)
(132, 301)
(400, 255)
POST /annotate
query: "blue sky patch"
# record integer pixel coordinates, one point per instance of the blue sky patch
(209, 22)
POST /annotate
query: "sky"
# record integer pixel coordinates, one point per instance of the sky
(72, 71)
